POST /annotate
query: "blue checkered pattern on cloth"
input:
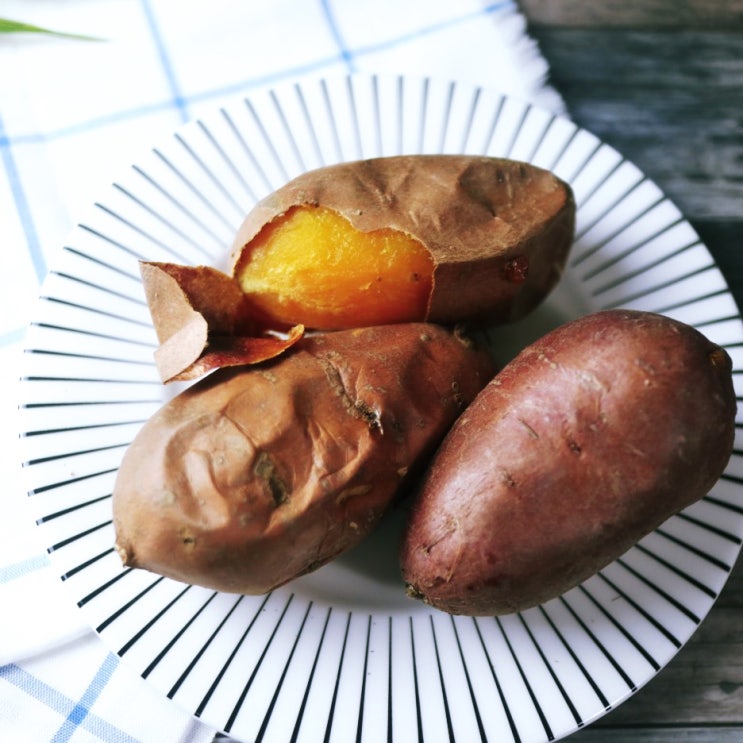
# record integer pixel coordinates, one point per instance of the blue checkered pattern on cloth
(73, 113)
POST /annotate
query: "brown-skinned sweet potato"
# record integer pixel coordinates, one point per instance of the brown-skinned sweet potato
(256, 475)
(440, 238)
(588, 440)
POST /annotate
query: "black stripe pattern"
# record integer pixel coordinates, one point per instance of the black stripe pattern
(338, 655)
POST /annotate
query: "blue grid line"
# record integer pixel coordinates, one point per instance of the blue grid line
(435, 28)
(84, 126)
(76, 714)
(35, 688)
(179, 101)
(21, 568)
(346, 54)
(164, 106)
(22, 206)
(12, 336)
(242, 86)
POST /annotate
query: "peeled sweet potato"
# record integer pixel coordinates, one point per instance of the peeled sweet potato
(438, 238)
(255, 475)
(587, 441)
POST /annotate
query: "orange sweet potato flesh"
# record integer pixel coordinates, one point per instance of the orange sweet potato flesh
(587, 441)
(495, 235)
(306, 263)
(255, 475)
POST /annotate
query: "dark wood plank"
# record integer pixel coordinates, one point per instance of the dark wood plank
(724, 238)
(714, 734)
(671, 101)
(659, 13)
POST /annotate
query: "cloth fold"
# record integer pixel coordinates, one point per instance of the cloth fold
(75, 112)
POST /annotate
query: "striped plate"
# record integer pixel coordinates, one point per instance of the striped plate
(341, 654)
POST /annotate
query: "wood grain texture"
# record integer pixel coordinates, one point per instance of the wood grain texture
(662, 82)
(670, 102)
(716, 734)
(649, 13)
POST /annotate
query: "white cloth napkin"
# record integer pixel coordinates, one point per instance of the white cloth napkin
(75, 112)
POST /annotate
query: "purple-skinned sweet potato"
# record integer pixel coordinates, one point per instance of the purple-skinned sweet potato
(588, 440)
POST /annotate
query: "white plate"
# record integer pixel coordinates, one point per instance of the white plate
(341, 654)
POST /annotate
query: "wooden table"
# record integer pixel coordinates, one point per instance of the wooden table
(662, 82)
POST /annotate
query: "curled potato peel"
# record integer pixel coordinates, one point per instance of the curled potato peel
(202, 322)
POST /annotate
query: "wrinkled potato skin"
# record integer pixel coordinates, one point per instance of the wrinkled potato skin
(256, 475)
(498, 230)
(583, 444)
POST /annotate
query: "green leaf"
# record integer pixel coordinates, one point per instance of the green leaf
(8, 26)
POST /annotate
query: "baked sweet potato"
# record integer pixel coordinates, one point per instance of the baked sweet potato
(440, 238)
(584, 443)
(255, 475)
(202, 323)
